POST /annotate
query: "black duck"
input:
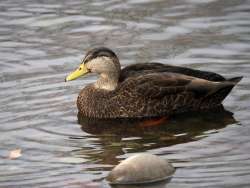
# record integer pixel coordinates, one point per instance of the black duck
(147, 89)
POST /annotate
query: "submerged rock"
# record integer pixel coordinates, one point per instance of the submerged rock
(140, 169)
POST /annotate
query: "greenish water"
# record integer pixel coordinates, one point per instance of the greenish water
(42, 41)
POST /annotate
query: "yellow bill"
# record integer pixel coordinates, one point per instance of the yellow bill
(82, 70)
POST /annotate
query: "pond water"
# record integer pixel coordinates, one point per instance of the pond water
(42, 41)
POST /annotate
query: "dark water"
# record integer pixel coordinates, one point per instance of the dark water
(42, 41)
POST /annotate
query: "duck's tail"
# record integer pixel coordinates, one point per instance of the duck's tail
(235, 79)
(223, 89)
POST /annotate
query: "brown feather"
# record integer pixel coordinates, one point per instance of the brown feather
(146, 68)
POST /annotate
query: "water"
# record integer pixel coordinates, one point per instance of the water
(42, 41)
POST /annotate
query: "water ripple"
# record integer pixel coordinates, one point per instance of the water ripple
(41, 42)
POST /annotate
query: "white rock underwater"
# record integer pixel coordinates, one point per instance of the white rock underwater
(141, 169)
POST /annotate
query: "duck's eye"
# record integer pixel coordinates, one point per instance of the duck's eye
(80, 68)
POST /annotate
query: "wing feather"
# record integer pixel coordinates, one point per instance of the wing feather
(147, 68)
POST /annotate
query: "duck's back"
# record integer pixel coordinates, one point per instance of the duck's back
(146, 68)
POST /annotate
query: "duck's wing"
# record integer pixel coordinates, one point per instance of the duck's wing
(156, 94)
(156, 86)
(146, 68)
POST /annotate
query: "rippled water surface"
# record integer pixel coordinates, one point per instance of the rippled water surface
(42, 41)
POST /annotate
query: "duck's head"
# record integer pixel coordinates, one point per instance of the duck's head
(100, 60)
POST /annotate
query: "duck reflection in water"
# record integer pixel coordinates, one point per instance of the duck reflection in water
(117, 135)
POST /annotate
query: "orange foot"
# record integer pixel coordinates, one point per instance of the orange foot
(153, 122)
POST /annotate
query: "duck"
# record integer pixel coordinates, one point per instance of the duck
(145, 90)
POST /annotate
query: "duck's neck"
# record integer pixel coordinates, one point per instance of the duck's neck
(107, 81)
